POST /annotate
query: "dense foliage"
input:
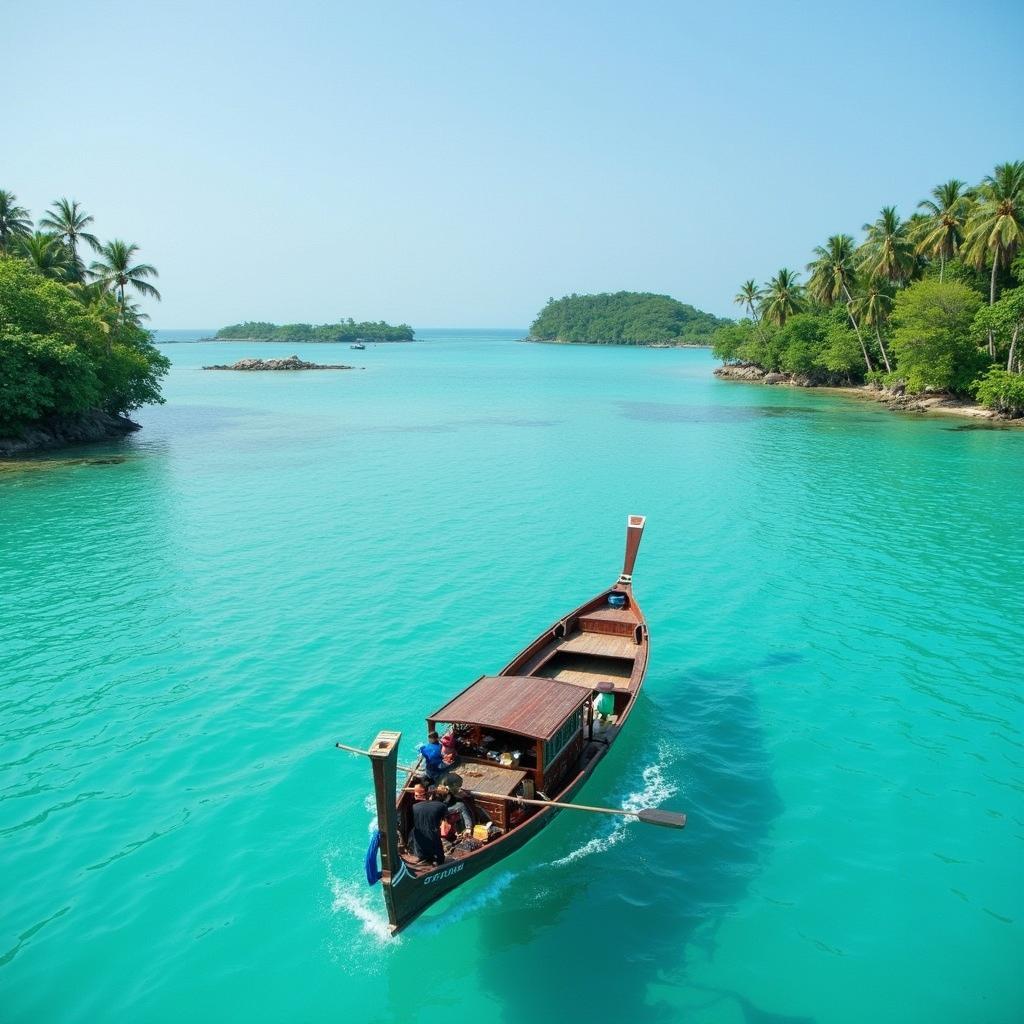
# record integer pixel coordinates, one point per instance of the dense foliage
(70, 338)
(623, 318)
(934, 302)
(343, 331)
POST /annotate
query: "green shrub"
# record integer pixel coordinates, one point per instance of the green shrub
(57, 357)
(731, 343)
(1001, 390)
(802, 341)
(932, 341)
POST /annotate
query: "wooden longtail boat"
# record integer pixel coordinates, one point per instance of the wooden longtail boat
(529, 738)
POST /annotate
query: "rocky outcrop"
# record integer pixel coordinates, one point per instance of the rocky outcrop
(748, 371)
(895, 397)
(932, 401)
(740, 371)
(62, 431)
(291, 363)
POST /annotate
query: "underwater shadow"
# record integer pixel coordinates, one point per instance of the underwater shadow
(667, 412)
(591, 935)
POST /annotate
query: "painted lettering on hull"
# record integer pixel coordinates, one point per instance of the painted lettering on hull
(447, 873)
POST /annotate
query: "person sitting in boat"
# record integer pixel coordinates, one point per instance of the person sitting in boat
(449, 762)
(427, 814)
(431, 753)
(453, 799)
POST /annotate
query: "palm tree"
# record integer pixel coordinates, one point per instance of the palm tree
(68, 220)
(14, 220)
(832, 276)
(750, 296)
(888, 252)
(873, 306)
(44, 251)
(785, 296)
(114, 270)
(941, 230)
(996, 224)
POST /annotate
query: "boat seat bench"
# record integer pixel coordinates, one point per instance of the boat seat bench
(608, 645)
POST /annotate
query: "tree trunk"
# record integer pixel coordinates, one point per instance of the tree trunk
(992, 302)
(1013, 348)
(757, 325)
(942, 266)
(849, 313)
(881, 345)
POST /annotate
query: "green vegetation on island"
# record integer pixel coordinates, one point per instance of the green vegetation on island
(343, 331)
(623, 318)
(931, 303)
(71, 339)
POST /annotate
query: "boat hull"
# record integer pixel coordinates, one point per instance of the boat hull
(408, 895)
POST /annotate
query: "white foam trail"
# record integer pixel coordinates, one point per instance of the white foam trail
(656, 790)
(491, 892)
(362, 903)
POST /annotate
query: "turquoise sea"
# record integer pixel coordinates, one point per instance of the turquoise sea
(190, 620)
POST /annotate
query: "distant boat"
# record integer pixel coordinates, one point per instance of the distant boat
(358, 345)
(528, 739)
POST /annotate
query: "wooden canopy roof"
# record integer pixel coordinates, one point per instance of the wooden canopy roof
(527, 705)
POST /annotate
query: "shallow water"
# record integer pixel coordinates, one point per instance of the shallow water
(192, 617)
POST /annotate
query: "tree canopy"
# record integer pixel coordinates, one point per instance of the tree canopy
(623, 318)
(61, 357)
(343, 331)
(70, 341)
(933, 302)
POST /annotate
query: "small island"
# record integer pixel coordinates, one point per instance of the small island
(344, 331)
(291, 363)
(624, 318)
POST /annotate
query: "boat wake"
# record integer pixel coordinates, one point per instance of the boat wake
(355, 899)
(489, 894)
(359, 901)
(656, 790)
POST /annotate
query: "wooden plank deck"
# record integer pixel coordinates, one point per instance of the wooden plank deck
(612, 615)
(606, 644)
(586, 670)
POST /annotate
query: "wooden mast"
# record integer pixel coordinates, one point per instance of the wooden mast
(634, 531)
(383, 755)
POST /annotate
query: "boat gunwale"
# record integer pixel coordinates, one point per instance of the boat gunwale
(576, 781)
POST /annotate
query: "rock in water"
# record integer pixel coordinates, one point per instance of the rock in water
(291, 363)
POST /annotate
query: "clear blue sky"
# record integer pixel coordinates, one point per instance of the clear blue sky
(457, 163)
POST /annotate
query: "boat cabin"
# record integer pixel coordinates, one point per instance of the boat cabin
(516, 736)
(529, 723)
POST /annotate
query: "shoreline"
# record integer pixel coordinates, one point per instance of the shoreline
(612, 344)
(89, 427)
(294, 341)
(940, 403)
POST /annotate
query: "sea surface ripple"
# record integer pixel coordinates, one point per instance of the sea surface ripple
(190, 619)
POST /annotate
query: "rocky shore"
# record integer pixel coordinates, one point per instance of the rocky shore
(291, 363)
(63, 431)
(895, 398)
